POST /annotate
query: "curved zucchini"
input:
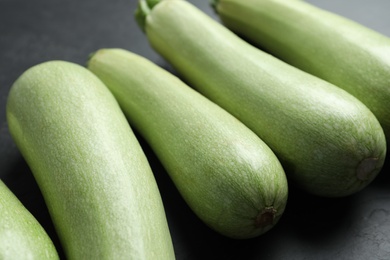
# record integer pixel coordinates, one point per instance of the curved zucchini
(329, 143)
(21, 235)
(326, 45)
(93, 174)
(225, 173)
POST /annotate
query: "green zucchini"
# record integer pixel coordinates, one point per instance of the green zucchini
(324, 44)
(329, 143)
(93, 174)
(21, 235)
(226, 174)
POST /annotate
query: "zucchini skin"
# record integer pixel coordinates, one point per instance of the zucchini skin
(331, 47)
(93, 174)
(226, 174)
(21, 235)
(329, 143)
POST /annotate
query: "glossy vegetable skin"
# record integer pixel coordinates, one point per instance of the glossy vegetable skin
(93, 174)
(329, 143)
(345, 53)
(226, 174)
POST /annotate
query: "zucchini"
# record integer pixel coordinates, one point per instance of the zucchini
(226, 174)
(93, 174)
(329, 143)
(21, 235)
(324, 44)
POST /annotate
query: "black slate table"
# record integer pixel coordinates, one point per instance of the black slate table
(355, 227)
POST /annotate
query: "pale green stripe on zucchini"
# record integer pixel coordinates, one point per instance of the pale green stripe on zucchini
(329, 143)
(21, 235)
(338, 50)
(226, 174)
(93, 174)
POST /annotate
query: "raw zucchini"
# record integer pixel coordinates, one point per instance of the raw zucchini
(94, 176)
(324, 44)
(226, 174)
(21, 235)
(329, 143)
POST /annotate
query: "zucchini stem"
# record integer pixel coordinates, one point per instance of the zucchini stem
(214, 4)
(143, 10)
(141, 13)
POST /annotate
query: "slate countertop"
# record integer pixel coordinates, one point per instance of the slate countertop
(355, 227)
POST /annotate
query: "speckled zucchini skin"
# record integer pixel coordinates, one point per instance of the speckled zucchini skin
(93, 174)
(338, 50)
(329, 143)
(226, 174)
(21, 235)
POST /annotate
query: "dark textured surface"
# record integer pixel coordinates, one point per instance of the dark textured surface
(356, 227)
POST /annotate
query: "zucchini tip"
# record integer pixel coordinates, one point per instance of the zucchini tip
(265, 218)
(366, 168)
